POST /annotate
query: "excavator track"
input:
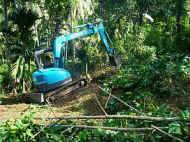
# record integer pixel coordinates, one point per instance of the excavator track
(55, 95)
(52, 96)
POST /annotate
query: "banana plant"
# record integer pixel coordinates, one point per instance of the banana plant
(20, 52)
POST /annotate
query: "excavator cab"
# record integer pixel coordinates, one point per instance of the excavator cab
(47, 77)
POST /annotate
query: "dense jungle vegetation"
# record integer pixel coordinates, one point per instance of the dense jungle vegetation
(152, 38)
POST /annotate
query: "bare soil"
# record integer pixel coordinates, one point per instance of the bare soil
(80, 102)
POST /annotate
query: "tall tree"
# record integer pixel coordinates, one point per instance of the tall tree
(180, 7)
(5, 5)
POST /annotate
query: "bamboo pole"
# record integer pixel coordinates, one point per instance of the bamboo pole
(99, 104)
(118, 99)
(150, 118)
(144, 129)
(167, 134)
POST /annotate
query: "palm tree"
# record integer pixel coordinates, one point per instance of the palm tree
(20, 52)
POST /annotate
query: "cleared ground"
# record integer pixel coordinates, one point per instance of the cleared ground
(82, 102)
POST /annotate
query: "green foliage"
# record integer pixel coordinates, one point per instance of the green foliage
(100, 135)
(21, 130)
(175, 128)
(24, 130)
(24, 18)
(152, 61)
(5, 77)
(185, 114)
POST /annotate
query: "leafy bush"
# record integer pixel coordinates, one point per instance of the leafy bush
(5, 78)
(151, 61)
(21, 130)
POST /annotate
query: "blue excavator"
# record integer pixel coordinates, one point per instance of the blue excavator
(56, 80)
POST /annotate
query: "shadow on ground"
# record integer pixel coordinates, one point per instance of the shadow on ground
(10, 100)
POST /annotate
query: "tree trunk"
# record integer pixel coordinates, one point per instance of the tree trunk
(5, 14)
(179, 8)
(15, 4)
(140, 17)
(141, 9)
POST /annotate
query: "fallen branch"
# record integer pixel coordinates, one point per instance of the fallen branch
(150, 118)
(118, 99)
(66, 130)
(106, 104)
(101, 107)
(167, 134)
(112, 128)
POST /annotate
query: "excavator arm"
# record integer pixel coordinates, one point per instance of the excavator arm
(90, 29)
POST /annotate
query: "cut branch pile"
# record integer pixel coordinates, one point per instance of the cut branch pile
(140, 117)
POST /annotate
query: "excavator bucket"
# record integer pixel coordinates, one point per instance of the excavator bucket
(115, 60)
